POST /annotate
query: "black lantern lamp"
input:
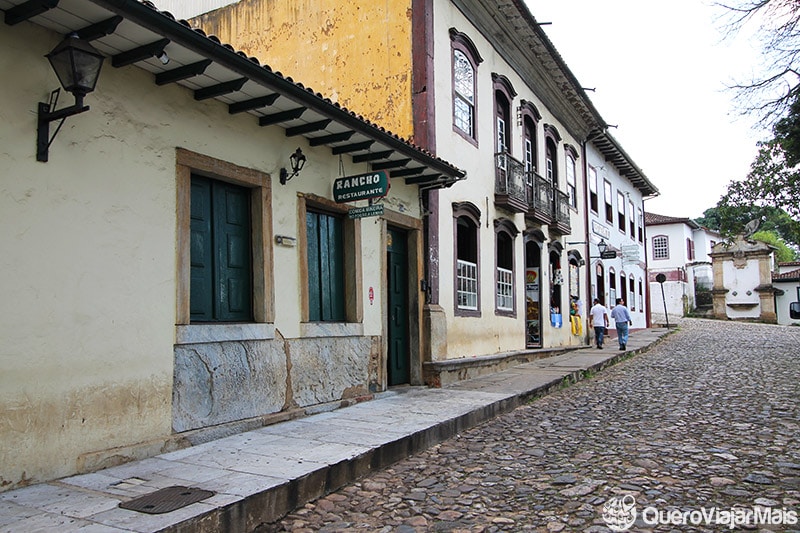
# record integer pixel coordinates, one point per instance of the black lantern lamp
(77, 65)
(297, 161)
(602, 246)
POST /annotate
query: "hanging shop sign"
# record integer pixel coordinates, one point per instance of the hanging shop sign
(360, 187)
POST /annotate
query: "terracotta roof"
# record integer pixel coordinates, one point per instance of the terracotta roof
(135, 32)
(792, 275)
(652, 219)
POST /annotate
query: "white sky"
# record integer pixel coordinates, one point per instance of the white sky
(660, 70)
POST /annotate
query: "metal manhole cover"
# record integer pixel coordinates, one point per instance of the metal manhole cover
(166, 500)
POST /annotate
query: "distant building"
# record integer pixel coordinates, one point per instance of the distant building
(679, 249)
(787, 281)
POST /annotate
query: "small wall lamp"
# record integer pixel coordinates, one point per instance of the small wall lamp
(77, 65)
(297, 161)
(602, 246)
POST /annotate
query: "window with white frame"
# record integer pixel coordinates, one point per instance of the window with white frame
(505, 272)
(632, 293)
(641, 296)
(465, 65)
(632, 220)
(467, 272)
(570, 171)
(463, 94)
(640, 218)
(593, 189)
(660, 247)
(608, 202)
(621, 211)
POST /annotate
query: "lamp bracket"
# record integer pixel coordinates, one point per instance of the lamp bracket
(45, 117)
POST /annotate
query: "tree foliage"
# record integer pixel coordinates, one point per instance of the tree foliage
(771, 183)
(783, 254)
(729, 221)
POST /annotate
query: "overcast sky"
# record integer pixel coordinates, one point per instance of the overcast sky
(660, 70)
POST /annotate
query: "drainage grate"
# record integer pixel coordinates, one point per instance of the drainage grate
(166, 500)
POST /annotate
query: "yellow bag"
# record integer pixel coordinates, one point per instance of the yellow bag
(576, 324)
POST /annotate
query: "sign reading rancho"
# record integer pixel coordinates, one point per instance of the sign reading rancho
(363, 186)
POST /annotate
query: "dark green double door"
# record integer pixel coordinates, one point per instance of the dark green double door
(398, 360)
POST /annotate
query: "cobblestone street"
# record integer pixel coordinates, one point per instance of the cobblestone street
(708, 418)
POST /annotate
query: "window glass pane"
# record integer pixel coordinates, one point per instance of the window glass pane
(464, 93)
(660, 247)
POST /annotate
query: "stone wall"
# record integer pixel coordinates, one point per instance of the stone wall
(222, 382)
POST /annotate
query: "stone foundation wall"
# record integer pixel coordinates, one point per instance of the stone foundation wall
(222, 382)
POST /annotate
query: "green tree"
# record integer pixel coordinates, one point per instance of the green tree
(770, 183)
(729, 220)
(783, 253)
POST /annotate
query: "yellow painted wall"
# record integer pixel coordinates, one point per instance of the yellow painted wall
(355, 55)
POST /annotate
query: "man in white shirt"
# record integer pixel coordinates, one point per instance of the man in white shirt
(598, 319)
(622, 318)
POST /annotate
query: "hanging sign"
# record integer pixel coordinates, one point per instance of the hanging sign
(360, 187)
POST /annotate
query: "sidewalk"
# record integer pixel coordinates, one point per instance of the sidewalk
(258, 476)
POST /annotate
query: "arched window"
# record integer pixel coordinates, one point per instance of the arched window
(641, 296)
(570, 174)
(465, 65)
(623, 286)
(612, 286)
(632, 293)
(467, 222)
(600, 280)
(530, 119)
(505, 232)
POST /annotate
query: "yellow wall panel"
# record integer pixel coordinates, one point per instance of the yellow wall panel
(356, 55)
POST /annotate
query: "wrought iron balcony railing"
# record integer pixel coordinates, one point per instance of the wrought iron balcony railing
(561, 211)
(510, 186)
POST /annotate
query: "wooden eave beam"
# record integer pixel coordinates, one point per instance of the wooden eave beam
(308, 128)
(182, 73)
(140, 53)
(253, 103)
(219, 89)
(282, 116)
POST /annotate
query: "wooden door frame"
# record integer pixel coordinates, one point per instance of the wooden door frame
(414, 244)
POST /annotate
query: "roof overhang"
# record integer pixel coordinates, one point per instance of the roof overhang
(130, 32)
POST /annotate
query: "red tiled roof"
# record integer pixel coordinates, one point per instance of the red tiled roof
(652, 219)
(787, 276)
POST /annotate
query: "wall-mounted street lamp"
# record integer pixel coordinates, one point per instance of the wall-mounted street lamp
(602, 246)
(77, 65)
(297, 161)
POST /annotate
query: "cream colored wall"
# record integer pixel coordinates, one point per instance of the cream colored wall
(89, 257)
(490, 333)
(356, 54)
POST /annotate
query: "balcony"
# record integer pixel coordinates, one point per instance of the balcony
(510, 191)
(560, 223)
(540, 192)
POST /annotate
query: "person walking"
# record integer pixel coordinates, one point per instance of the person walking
(622, 318)
(598, 319)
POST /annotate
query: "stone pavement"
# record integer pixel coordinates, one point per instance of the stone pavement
(259, 476)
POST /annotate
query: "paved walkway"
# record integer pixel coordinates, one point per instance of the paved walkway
(259, 476)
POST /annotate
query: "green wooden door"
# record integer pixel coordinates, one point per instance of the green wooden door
(221, 267)
(398, 359)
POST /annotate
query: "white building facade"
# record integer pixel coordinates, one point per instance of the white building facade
(617, 189)
(678, 249)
